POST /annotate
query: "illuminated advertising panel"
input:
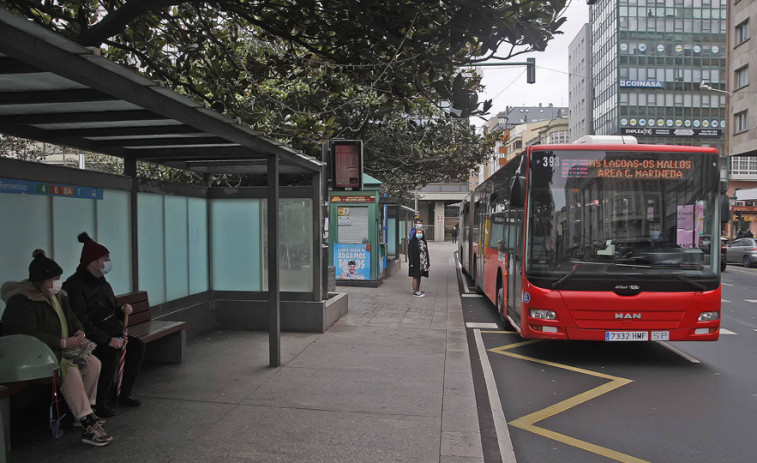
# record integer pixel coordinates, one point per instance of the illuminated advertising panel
(347, 164)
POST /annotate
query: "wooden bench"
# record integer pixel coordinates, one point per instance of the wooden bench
(165, 340)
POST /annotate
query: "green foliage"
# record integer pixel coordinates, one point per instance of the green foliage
(21, 149)
(304, 71)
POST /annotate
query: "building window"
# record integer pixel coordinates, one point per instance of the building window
(742, 32)
(742, 77)
(743, 165)
(740, 122)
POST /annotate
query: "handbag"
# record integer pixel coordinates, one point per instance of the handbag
(79, 355)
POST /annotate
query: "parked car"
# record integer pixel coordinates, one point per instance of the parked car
(742, 250)
(705, 246)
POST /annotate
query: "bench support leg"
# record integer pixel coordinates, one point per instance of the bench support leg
(168, 349)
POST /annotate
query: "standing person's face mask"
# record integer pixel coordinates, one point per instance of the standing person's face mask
(419, 235)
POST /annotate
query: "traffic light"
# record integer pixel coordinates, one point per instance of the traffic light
(531, 70)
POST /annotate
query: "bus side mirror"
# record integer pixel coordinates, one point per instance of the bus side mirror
(518, 191)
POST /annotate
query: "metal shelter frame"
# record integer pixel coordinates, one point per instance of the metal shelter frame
(56, 91)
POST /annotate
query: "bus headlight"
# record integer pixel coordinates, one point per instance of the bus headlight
(709, 316)
(543, 314)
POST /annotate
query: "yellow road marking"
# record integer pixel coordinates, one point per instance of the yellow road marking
(528, 422)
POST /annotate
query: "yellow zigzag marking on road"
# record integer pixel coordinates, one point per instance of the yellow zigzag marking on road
(528, 422)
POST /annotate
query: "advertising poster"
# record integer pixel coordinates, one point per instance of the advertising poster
(685, 229)
(352, 262)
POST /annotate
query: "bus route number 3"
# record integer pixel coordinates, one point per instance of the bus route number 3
(551, 161)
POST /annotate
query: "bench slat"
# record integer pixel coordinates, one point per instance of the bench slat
(132, 298)
(155, 329)
(136, 319)
(140, 307)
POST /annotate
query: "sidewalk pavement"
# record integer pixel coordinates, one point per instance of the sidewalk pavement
(390, 381)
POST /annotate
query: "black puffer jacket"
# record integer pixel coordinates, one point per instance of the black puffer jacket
(28, 311)
(93, 301)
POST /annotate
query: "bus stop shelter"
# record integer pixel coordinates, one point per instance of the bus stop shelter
(56, 91)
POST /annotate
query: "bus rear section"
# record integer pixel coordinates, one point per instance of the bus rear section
(615, 243)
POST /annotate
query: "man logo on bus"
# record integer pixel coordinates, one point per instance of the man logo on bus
(628, 315)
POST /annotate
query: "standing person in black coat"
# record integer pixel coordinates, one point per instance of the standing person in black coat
(94, 303)
(418, 261)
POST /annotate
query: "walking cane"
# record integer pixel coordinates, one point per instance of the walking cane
(120, 374)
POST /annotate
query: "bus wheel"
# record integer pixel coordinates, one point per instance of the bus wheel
(502, 310)
(475, 277)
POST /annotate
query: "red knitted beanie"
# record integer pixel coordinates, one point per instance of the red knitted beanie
(91, 250)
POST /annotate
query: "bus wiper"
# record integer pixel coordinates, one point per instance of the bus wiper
(605, 264)
(574, 270)
(567, 275)
(688, 280)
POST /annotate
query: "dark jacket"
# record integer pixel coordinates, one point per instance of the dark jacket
(414, 258)
(28, 311)
(93, 301)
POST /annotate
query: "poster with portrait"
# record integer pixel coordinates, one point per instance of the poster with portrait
(352, 262)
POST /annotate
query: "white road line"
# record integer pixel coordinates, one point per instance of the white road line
(483, 326)
(725, 331)
(686, 356)
(724, 300)
(472, 295)
(726, 284)
(753, 301)
(500, 422)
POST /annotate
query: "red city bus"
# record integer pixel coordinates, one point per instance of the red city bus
(607, 240)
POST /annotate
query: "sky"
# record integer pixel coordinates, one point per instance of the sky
(507, 86)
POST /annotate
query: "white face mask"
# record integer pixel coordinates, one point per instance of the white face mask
(107, 267)
(57, 285)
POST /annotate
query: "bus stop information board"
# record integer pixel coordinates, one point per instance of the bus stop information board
(23, 187)
(353, 199)
(347, 164)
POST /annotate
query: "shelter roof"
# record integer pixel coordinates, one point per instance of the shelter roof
(56, 91)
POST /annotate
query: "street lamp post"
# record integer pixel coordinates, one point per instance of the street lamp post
(704, 85)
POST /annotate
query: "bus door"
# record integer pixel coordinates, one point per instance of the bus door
(483, 244)
(514, 220)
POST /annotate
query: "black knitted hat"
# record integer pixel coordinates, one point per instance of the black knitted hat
(42, 267)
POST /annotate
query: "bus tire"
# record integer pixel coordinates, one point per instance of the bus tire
(475, 276)
(502, 309)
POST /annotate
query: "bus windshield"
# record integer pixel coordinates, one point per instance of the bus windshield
(599, 212)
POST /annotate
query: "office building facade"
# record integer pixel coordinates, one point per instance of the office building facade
(649, 60)
(579, 84)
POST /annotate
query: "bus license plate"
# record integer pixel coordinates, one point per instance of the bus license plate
(626, 336)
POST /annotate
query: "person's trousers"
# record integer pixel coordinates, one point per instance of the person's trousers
(79, 388)
(110, 357)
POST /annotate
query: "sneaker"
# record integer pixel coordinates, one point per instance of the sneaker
(418, 294)
(95, 435)
(98, 420)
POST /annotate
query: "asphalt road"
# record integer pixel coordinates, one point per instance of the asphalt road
(600, 402)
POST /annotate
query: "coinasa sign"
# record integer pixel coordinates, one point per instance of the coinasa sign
(642, 83)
